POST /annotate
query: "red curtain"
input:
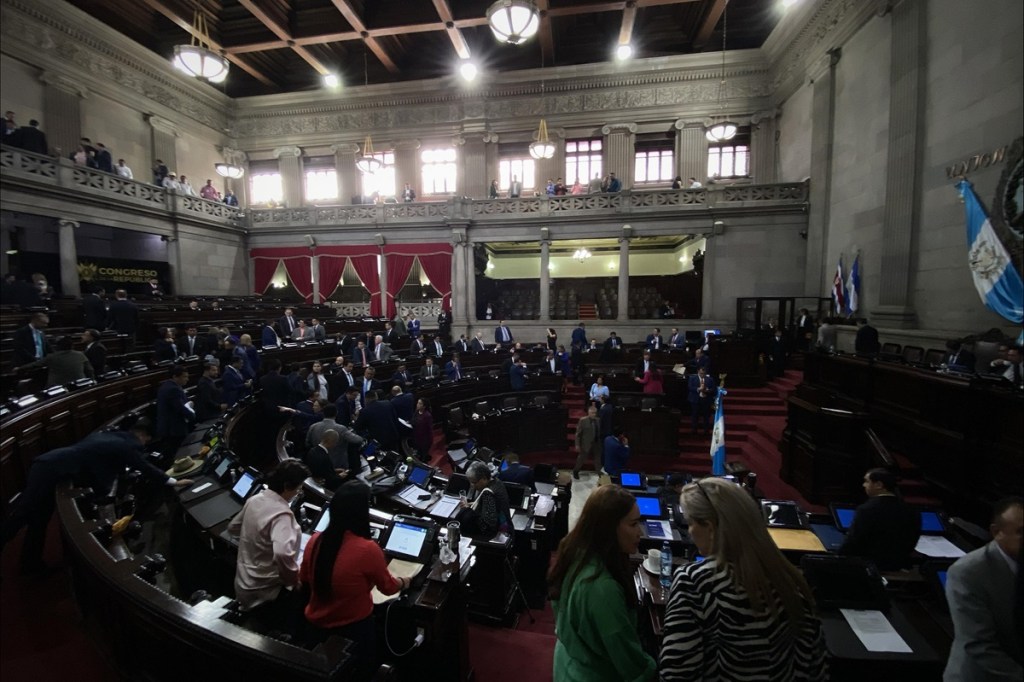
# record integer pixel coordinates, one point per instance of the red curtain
(263, 272)
(300, 272)
(331, 269)
(366, 268)
(398, 271)
(438, 269)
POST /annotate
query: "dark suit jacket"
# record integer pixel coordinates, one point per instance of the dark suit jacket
(606, 416)
(435, 348)
(97, 354)
(346, 411)
(320, 466)
(172, 417)
(433, 372)
(579, 336)
(233, 384)
(268, 337)
(123, 317)
(207, 399)
(402, 379)
(95, 312)
(964, 358)
(460, 346)
(677, 341)
(378, 421)
(693, 388)
(284, 329)
(25, 345)
(391, 337)
(551, 366)
(477, 346)
(885, 530)
(104, 161)
(655, 341)
(416, 347)
(866, 340)
(451, 373)
(404, 406)
(31, 139)
(498, 336)
(276, 392)
(517, 377)
(638, 370)
(616, 455)
(165, 350)
(199, 345)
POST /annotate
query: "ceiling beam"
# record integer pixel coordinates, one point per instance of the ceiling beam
(703, 34)
(454, 34)
(283, 34)
(356, 22)
(547, 40)
(190, 29)
(628, 19)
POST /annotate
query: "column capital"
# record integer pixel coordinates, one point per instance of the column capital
(406, 144)
(284, 152)
(765, 115)
(64, 83)
(162, 124)
(458, 140)
(821, 66)
(621, 128)
(345, 148)
(689, 123)
(490, 137)
(67, 222)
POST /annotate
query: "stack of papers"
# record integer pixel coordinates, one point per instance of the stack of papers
(411, 495)
(399, 569)
(875, 631)
(938, 546)
(445, 507)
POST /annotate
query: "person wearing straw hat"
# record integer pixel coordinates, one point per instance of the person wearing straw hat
(99, 458)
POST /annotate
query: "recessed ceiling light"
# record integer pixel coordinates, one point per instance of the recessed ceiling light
(624, 51)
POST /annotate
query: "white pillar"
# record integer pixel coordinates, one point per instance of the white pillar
(623, 312)
(545, 280)
(315, 269)
(68, 258)
(382, 274)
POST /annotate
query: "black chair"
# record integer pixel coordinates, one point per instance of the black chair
(541, 401)
(627, 401)
(510, 403)
(482, 408)
(648, 403)
(933, 356)
(913, 354)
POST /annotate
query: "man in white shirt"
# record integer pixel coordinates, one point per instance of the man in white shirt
(123, 170)
(694, 184)
(186, 186)
(269, 538)
(171, 182)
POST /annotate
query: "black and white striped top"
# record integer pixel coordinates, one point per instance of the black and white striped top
(711, 633)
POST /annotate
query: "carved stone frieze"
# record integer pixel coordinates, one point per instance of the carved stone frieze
(821, 28)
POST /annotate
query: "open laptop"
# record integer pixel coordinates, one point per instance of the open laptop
(519, 505)
(409, 539)
(461, 454)
(932, 522)
(448, 505)
(221, 507)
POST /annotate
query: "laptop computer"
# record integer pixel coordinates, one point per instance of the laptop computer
(654, 516)
(461, 454)
(419, 474)
(783, 514)
(932, 522)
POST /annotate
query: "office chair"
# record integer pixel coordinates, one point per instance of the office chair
(510, 403)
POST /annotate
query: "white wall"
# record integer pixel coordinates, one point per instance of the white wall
(22, 91)
(795, 136)
(123, 130)
(195, 158)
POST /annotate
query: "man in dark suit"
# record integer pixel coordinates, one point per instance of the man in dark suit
(378, 421)
(616, 452)
(344, 378)
(959, 356)
(643, 365)
(100, 457)
(275, 389)
(701, 395)
(360, 355)
(701, 360)
(429, 371)
(29, 342)
(984, 594)
(453, 369)
(173, 416)
(654, 340)
(805, 332)
(477, 346)
(234, 383)
(461, 344)
(402, 378)
(444, 324)
(104, 160)
(348, 406)
(31, 138)
(95, 350)
(502, 334)
(191, 343)
(606, 416)
(676, 340)
(287, 324)
(885, 529)
(579, 335)
(123, 318)
(321, 467)
(317, 329)
(209, 403)
(513, 471)
(416, 347)
(269, 337)
(404, 404)
(436, 348)
(517, 374)
(550, 364)
(391, 336)
(368, 383)
(610, 349)
(866, 341)
(777, 353)
(95, 309)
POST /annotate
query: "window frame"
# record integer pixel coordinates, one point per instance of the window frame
(428, 180)
(590, 154)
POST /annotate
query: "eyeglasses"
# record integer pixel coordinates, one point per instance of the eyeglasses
(706, 497)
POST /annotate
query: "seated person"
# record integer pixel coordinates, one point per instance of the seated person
(616, 452)
(516, 472)
(489, 512)
(341, 566)
(318, 459)
(885, 529)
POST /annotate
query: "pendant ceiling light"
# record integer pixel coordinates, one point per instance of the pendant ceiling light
(542, 147)
(581, 255)
(229, 170)
(513, 21)
(197, 59)
(366, 162)
(721, 128)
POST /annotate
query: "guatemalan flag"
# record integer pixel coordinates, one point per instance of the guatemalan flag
(998, 282)
(853, 287)
(838, 294)
(718, 438)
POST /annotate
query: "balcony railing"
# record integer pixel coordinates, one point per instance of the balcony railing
(26, 167)
(21, 167)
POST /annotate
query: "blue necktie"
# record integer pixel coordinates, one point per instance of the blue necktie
(39, 343)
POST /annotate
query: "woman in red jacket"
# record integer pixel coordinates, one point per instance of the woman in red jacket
(341, 566)
(652, 381)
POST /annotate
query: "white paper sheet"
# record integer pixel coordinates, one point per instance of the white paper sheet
(399, 569)
(938, 546)
(875, 631)
(201, 488)
(445, 507)
(412, 495)
(544, 506)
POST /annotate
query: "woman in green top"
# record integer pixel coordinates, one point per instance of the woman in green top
(590, 588)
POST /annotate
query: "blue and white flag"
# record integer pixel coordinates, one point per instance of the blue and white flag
(853, 287)
(997, 281)
(838, 293)
(718, 438)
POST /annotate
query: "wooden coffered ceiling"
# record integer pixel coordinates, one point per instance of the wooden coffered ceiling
(286, 45)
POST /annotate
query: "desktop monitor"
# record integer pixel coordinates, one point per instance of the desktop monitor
(632, 480)
(420, 475)
(410, 539)
(650, 506)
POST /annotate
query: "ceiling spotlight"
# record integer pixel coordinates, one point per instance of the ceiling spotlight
(331, 80)
(513, 21)
(468, 70)
(623, 52)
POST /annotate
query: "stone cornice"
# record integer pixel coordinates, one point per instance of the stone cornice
(58, 37)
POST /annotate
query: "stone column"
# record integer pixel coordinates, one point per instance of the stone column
(68, 258)
(823, 102)
(899, 223)
(315, 270)
(163, 146)
(707, 299)
(490, 160)
(291, 174)
(619, 151)
(458, 280)
(62, 113)
(623, 312)
(545, 280)
(470, 284)
(691, 151)
(407, 166)
(349, 181)
(382, 274)
(763, 146)
(174, 259)
(473, 161)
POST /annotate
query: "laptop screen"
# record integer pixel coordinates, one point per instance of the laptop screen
(470, 446)
(369, 450)
(843, 516)
(504, 465)
(941, 575)
(419, 475)
(630, 479)
(650, 506)
(406, 539)
(244, 485)
(781, 514)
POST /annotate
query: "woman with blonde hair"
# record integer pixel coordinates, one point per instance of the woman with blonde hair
(592, 594)
(744, 612)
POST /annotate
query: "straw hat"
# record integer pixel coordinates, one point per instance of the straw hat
(183, 466)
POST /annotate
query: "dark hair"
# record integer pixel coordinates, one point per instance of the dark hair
(178, 370)
(618, 431)
(673, 480)
(883, 476)
(272, 365)
(330, 411)
(595, 537)
(1001, 506)
(65, 343)
(143, 425)
(287, 474)
(95, 333)
(350, 511)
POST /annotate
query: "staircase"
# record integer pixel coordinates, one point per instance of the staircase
(587, 311)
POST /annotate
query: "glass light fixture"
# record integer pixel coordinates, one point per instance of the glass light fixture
(197, 59)
(513, 21)
(331, 80)
(468, 70)
(581, 255)
(722, 128)
(367, 163)
(623, 52)
(542, 147)
(229, 170)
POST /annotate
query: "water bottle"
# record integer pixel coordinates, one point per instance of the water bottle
(666, 564)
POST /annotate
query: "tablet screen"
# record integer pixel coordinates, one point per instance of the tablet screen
(325, 519)
(941, 575)
(630, 480)
(222, 467)
(419, 475)
(845, 518)
(244, 484)
(406, 539)
(650, 507)
(931, 523)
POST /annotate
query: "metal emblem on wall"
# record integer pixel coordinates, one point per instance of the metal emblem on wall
(1007, 214)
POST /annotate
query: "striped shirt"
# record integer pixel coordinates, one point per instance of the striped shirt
(711, 633)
